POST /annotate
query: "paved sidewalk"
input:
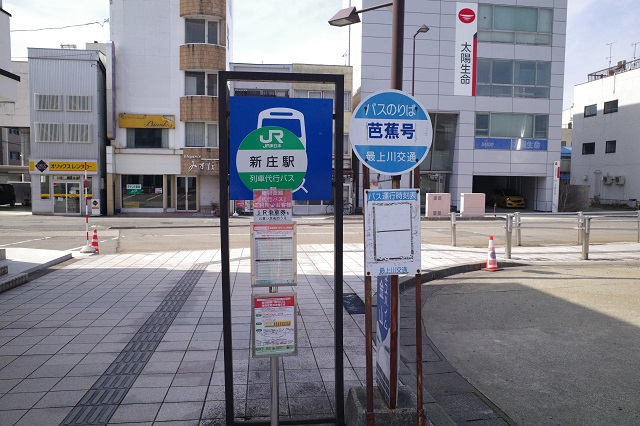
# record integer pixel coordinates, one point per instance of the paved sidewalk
(137, 338)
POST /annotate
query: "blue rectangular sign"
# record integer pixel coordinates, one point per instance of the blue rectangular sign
(276, 142)
(505, 144)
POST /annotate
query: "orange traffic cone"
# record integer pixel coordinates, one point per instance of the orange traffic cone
(94, 241)
(492, 262)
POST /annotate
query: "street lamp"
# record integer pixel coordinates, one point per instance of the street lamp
(422, 29)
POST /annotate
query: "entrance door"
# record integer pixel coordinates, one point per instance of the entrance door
(66, 197)
(186, 193)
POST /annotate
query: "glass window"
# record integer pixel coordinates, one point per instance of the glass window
(588, 148)
(194, 83)
(142, 191)
(525, 73)
(79, 133)
(610, 147)
(502, 72)
(590, 110)
(545, 20)
(541, 127)
(483, 71)
(611, 106)
(194, 31)
(514, 24)
(504, 18)
(482, 124)
(543, 73)
(212, 135)
(48, 102)
(147, 138)
(485, 16)
(48, 132)
(78, 103)
(512, 125)
(201, 31)
(347, 101)
(194, 134)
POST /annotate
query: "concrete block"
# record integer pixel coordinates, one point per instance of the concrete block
(356, 408)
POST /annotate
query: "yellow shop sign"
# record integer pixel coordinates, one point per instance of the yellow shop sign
(147, 121)
(63, 166)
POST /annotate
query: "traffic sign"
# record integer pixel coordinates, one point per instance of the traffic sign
(391, 132)
(280, 143)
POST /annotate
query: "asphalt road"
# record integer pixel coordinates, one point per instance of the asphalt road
(549, 345)
(127, 233)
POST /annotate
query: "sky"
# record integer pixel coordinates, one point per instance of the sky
(296, 31)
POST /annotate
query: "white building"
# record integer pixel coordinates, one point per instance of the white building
(68, 138)
(164, 154)
(606, 154)
(491, 77)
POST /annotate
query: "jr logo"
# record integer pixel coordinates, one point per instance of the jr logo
(277, 134)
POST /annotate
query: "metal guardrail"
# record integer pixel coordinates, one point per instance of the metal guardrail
(513, 221)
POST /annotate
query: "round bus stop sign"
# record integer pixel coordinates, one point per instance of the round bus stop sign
(272, 157)
(390, 132)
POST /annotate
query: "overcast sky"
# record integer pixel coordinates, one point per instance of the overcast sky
(288, 31)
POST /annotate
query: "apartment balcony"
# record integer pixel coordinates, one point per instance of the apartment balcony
(203, 57)
(198, 108)
(203, 7)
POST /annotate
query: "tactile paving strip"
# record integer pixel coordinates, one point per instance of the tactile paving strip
(100, 402)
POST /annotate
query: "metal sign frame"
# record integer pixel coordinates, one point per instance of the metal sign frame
(223, 132)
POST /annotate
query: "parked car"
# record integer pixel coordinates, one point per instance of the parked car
(7, 194)
(508, 198)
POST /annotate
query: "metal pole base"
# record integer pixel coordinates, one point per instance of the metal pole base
(88, 249)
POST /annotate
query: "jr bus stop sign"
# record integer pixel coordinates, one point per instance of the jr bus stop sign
(391, 132)
(282, 143)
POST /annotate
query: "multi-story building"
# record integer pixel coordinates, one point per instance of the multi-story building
(306, 90)
(606, 155)
(68, 137)
(14, 128)
(491, 77)
(166, 55)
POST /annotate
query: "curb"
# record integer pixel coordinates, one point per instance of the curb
(30, 274)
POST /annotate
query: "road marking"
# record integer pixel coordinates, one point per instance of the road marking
(25, 241)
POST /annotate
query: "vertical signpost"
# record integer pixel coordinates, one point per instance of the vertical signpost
(271, 142)
(391, 134)
(556, 187)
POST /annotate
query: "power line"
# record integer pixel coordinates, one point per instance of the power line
(67, 26)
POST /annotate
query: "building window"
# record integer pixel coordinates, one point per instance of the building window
(347, 101)
(588, 148)
(512, 24)
(502, 125)
(48, 102)
(201, 134)
(519, 79)
(346, 148)
(610, 147)
(147, 138)
(200, 83)
(261, 93)
(14, 155)
(14, 132)
(590, 110)
(324, 94)
(78, 103)
(78, 133)
(611, 106)
(201, 31)
(48, 132)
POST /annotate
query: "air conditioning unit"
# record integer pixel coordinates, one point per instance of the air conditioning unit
(620, 180)
(607, 180)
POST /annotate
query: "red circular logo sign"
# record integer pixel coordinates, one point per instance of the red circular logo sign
(466, 15)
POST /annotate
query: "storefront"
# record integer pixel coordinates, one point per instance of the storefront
(58, 187)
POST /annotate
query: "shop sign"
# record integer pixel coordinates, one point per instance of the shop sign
(133, 189)
(147, 121)
(466, 49)
(272, 205)
(199, 161)
(61, 166)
